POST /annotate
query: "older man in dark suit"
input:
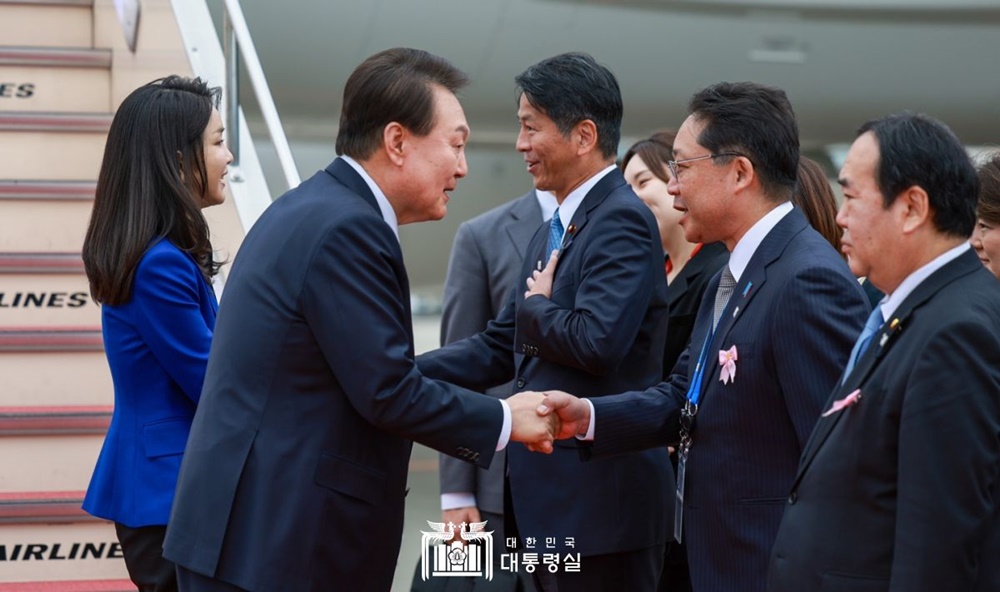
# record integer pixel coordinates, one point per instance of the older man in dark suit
(295, 471)
(770, 339)
(899, 486)
(600, 328)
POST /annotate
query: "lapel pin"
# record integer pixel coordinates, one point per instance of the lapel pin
(571, 229)
(747, 289)
(894, 325)
(736, 312)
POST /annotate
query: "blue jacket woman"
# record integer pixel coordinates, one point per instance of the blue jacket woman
(150, 265)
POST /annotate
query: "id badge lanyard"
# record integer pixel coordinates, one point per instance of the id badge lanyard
(687, 423)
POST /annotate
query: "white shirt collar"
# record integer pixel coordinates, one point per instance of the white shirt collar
(891, 302)
(572, 202)
(744, 250)
(388, 214)
(547, 202)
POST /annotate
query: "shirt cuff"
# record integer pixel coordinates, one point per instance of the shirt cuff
(505, 430)
(589, 436)
(452, 501)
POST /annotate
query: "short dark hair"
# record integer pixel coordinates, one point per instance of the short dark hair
(814, 196)
(915, 149)
(655, 151)
(988, 208)
(392, 85)
(151, 184)
(573, 87)
(756, 121)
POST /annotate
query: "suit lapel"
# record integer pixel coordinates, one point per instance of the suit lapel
(520, 225)
(881, 342)
(751, 281)
(594, 198)
(348, 177)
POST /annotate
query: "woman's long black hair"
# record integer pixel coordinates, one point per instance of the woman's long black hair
(151, 184)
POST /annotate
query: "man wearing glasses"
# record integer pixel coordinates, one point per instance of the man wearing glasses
(770, 340)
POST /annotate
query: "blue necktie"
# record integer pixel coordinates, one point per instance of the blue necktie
(875, 321)
(555, 233)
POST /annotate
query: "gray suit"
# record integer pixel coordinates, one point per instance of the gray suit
(485, 266)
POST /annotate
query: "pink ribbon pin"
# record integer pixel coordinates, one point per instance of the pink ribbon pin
(727, 359)
(851, 399)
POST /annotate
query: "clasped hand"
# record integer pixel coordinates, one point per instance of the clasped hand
(540, 418)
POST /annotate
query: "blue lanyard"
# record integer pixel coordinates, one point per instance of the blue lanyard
(694, 389)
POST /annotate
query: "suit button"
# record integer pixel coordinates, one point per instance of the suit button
(520, 382)
(792, 497)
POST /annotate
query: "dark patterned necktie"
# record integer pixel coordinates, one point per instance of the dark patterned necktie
(726, 285)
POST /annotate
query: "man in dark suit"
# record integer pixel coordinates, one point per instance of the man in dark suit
(599, 327)
(750, 386)
(899, 485)
(295, 470)
(485, 265)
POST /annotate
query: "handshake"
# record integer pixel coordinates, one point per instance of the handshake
(538, 419)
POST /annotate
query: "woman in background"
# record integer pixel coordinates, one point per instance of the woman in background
(688, 267)
(986, 236)
(149, 263)
(814, 196)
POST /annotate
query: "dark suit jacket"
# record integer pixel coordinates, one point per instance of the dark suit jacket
(793, 318)
(684, 296)
(485, 265)
(601, 332)
(157, 346)
(901, 491)
(295, 471)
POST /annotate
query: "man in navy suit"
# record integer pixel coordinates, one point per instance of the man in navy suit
(899, 485)
(485, 265)
(599, 327)
(295, 471)
(770, 339)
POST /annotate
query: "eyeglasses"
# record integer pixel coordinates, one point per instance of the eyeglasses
(672, 164)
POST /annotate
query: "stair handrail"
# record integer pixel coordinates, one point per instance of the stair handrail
(203, 45)
(237, 43)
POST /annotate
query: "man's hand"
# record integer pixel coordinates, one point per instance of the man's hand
(573, 414)
(459, 515)
(530, 427)
(540, 282)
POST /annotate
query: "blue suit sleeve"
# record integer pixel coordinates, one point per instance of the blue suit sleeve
(165, 294)
(639, 420)
(479, 362)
